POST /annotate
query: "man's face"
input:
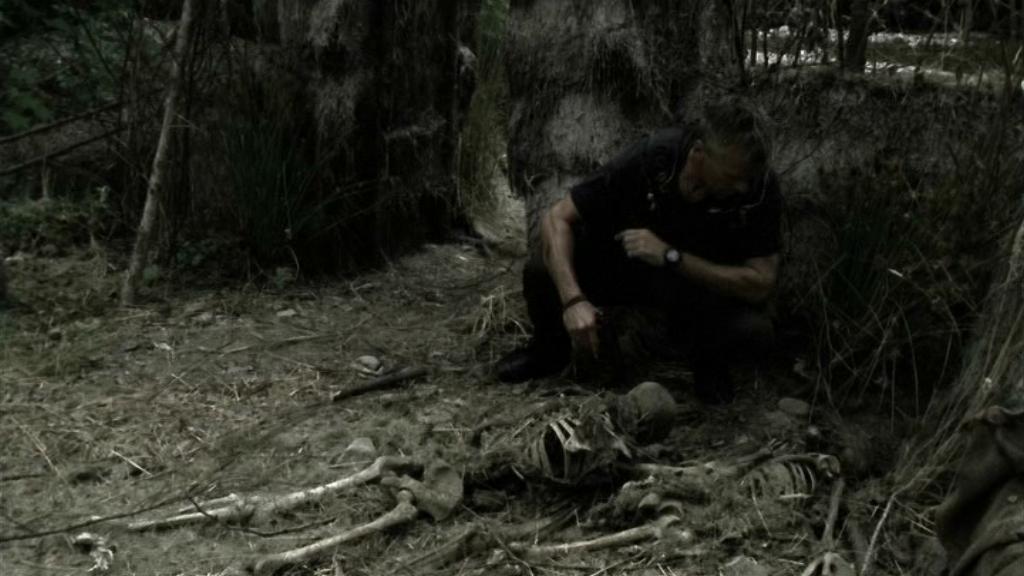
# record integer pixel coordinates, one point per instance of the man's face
(713, 177)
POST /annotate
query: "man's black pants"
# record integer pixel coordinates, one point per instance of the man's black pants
(712, 331)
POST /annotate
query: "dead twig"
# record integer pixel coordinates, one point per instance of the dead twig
(382, 383)
(872, 550)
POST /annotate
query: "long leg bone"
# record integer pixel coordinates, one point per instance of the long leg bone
(830, 563)
(436, 496)
(402, 513)
(719, 468)
(660, 528)
(235, 509)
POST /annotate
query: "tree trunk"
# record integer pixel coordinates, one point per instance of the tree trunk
(857, 39)
(154, 192)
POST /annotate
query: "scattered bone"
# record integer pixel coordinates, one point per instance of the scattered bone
(791, 476)
(97, 547)
(795, 407)
(437, 496)
(483, 536)
(829, 563)
(361, 448)
(236, 509)
(403, 512)
(661, 529)
(718, 468)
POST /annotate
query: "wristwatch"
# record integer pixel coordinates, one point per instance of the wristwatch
(672, 257)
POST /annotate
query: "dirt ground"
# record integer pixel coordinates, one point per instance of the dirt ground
(122, 414)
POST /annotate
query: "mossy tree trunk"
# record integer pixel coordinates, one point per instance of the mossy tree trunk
(155, 188)
(587, 78)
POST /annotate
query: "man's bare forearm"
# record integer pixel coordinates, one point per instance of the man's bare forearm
(557, 242)
(751, 282)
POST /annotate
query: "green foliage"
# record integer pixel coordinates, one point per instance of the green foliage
(49, 225)
(280, 211)
(483, 134)
(912, 263)
(491, 31)
(59, 59)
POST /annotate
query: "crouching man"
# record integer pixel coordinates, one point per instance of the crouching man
(686, 221)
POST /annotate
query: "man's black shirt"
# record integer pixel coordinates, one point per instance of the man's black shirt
(638, 189)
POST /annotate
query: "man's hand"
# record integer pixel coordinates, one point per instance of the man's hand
(580, 321)
(643, 245)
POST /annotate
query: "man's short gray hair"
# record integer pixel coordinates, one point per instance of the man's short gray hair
(731, 122)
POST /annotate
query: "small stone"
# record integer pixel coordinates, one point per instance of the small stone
(778, 420)
(204, 318)
(367, 365)
(794, 407)
(287, 313)
(361, 448)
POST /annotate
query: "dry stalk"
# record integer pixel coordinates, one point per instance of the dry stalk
(872, 550)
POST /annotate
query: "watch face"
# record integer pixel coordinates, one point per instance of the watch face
(672, 256)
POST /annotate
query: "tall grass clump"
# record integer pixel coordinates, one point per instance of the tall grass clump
(912, 258)
(483, 136)
(279, 209)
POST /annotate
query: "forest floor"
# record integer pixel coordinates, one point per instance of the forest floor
(125, 414)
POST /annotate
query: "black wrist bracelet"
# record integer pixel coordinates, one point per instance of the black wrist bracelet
(573, 301)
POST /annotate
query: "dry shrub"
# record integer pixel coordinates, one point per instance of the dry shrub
(993, 373)
(917, 186)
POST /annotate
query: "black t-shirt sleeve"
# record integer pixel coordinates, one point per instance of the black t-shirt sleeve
(595, 202)
(603, 198)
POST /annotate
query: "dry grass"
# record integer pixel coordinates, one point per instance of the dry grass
(203, 393)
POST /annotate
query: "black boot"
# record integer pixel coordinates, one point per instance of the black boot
(534, 360)
(713, 384)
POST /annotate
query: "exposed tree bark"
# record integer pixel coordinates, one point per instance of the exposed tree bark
(857, 39)
(154, 191)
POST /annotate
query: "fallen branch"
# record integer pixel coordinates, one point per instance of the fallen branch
(62, 151)
(402, 513)
(382, 383)
(656, 530)
(237, 509)
(58, 123)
